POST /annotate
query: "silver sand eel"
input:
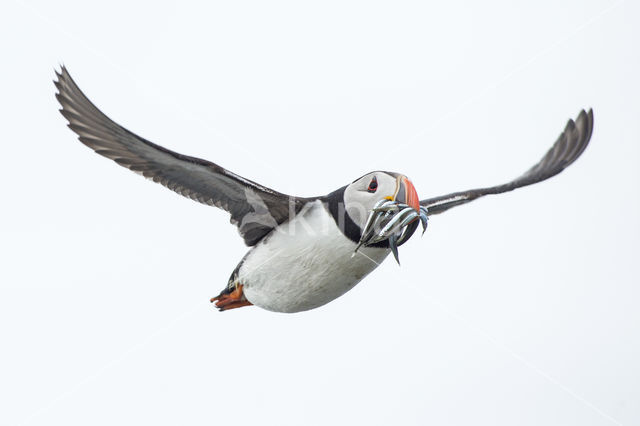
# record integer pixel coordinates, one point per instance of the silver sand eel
(392, 221)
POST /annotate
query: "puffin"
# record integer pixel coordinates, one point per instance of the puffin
(304, 252)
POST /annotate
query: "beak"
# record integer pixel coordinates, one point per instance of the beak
(406, 193)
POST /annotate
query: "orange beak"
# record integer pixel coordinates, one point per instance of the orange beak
(407, 193)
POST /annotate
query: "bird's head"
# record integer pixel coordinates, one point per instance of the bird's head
(386, 208)
(365, 192)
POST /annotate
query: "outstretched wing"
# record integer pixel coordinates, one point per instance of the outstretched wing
(571, 143)
(255, 209)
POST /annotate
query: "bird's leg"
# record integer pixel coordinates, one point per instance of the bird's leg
(231, 300)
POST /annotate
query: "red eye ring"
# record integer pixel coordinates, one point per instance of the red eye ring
(373, 185)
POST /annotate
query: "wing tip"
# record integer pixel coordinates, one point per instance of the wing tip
(590, 121)
(576, 135)
(61, 75)
(584, 124)
(568, 147)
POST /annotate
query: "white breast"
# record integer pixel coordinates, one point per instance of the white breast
(305, 263)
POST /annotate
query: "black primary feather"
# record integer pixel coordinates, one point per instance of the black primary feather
(567, 148)
(255, 209)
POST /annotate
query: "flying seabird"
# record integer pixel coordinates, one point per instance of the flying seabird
(305, 251)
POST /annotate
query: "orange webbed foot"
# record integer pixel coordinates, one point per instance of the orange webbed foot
(235, 299)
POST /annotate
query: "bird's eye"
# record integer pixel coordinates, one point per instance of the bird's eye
(373, 185)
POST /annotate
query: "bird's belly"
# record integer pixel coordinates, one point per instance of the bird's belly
(302, 267)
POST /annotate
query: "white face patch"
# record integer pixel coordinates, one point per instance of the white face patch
(359, 199)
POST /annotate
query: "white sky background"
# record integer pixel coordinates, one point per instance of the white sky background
(516, 309)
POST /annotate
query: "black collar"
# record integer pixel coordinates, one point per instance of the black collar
(334, 203)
